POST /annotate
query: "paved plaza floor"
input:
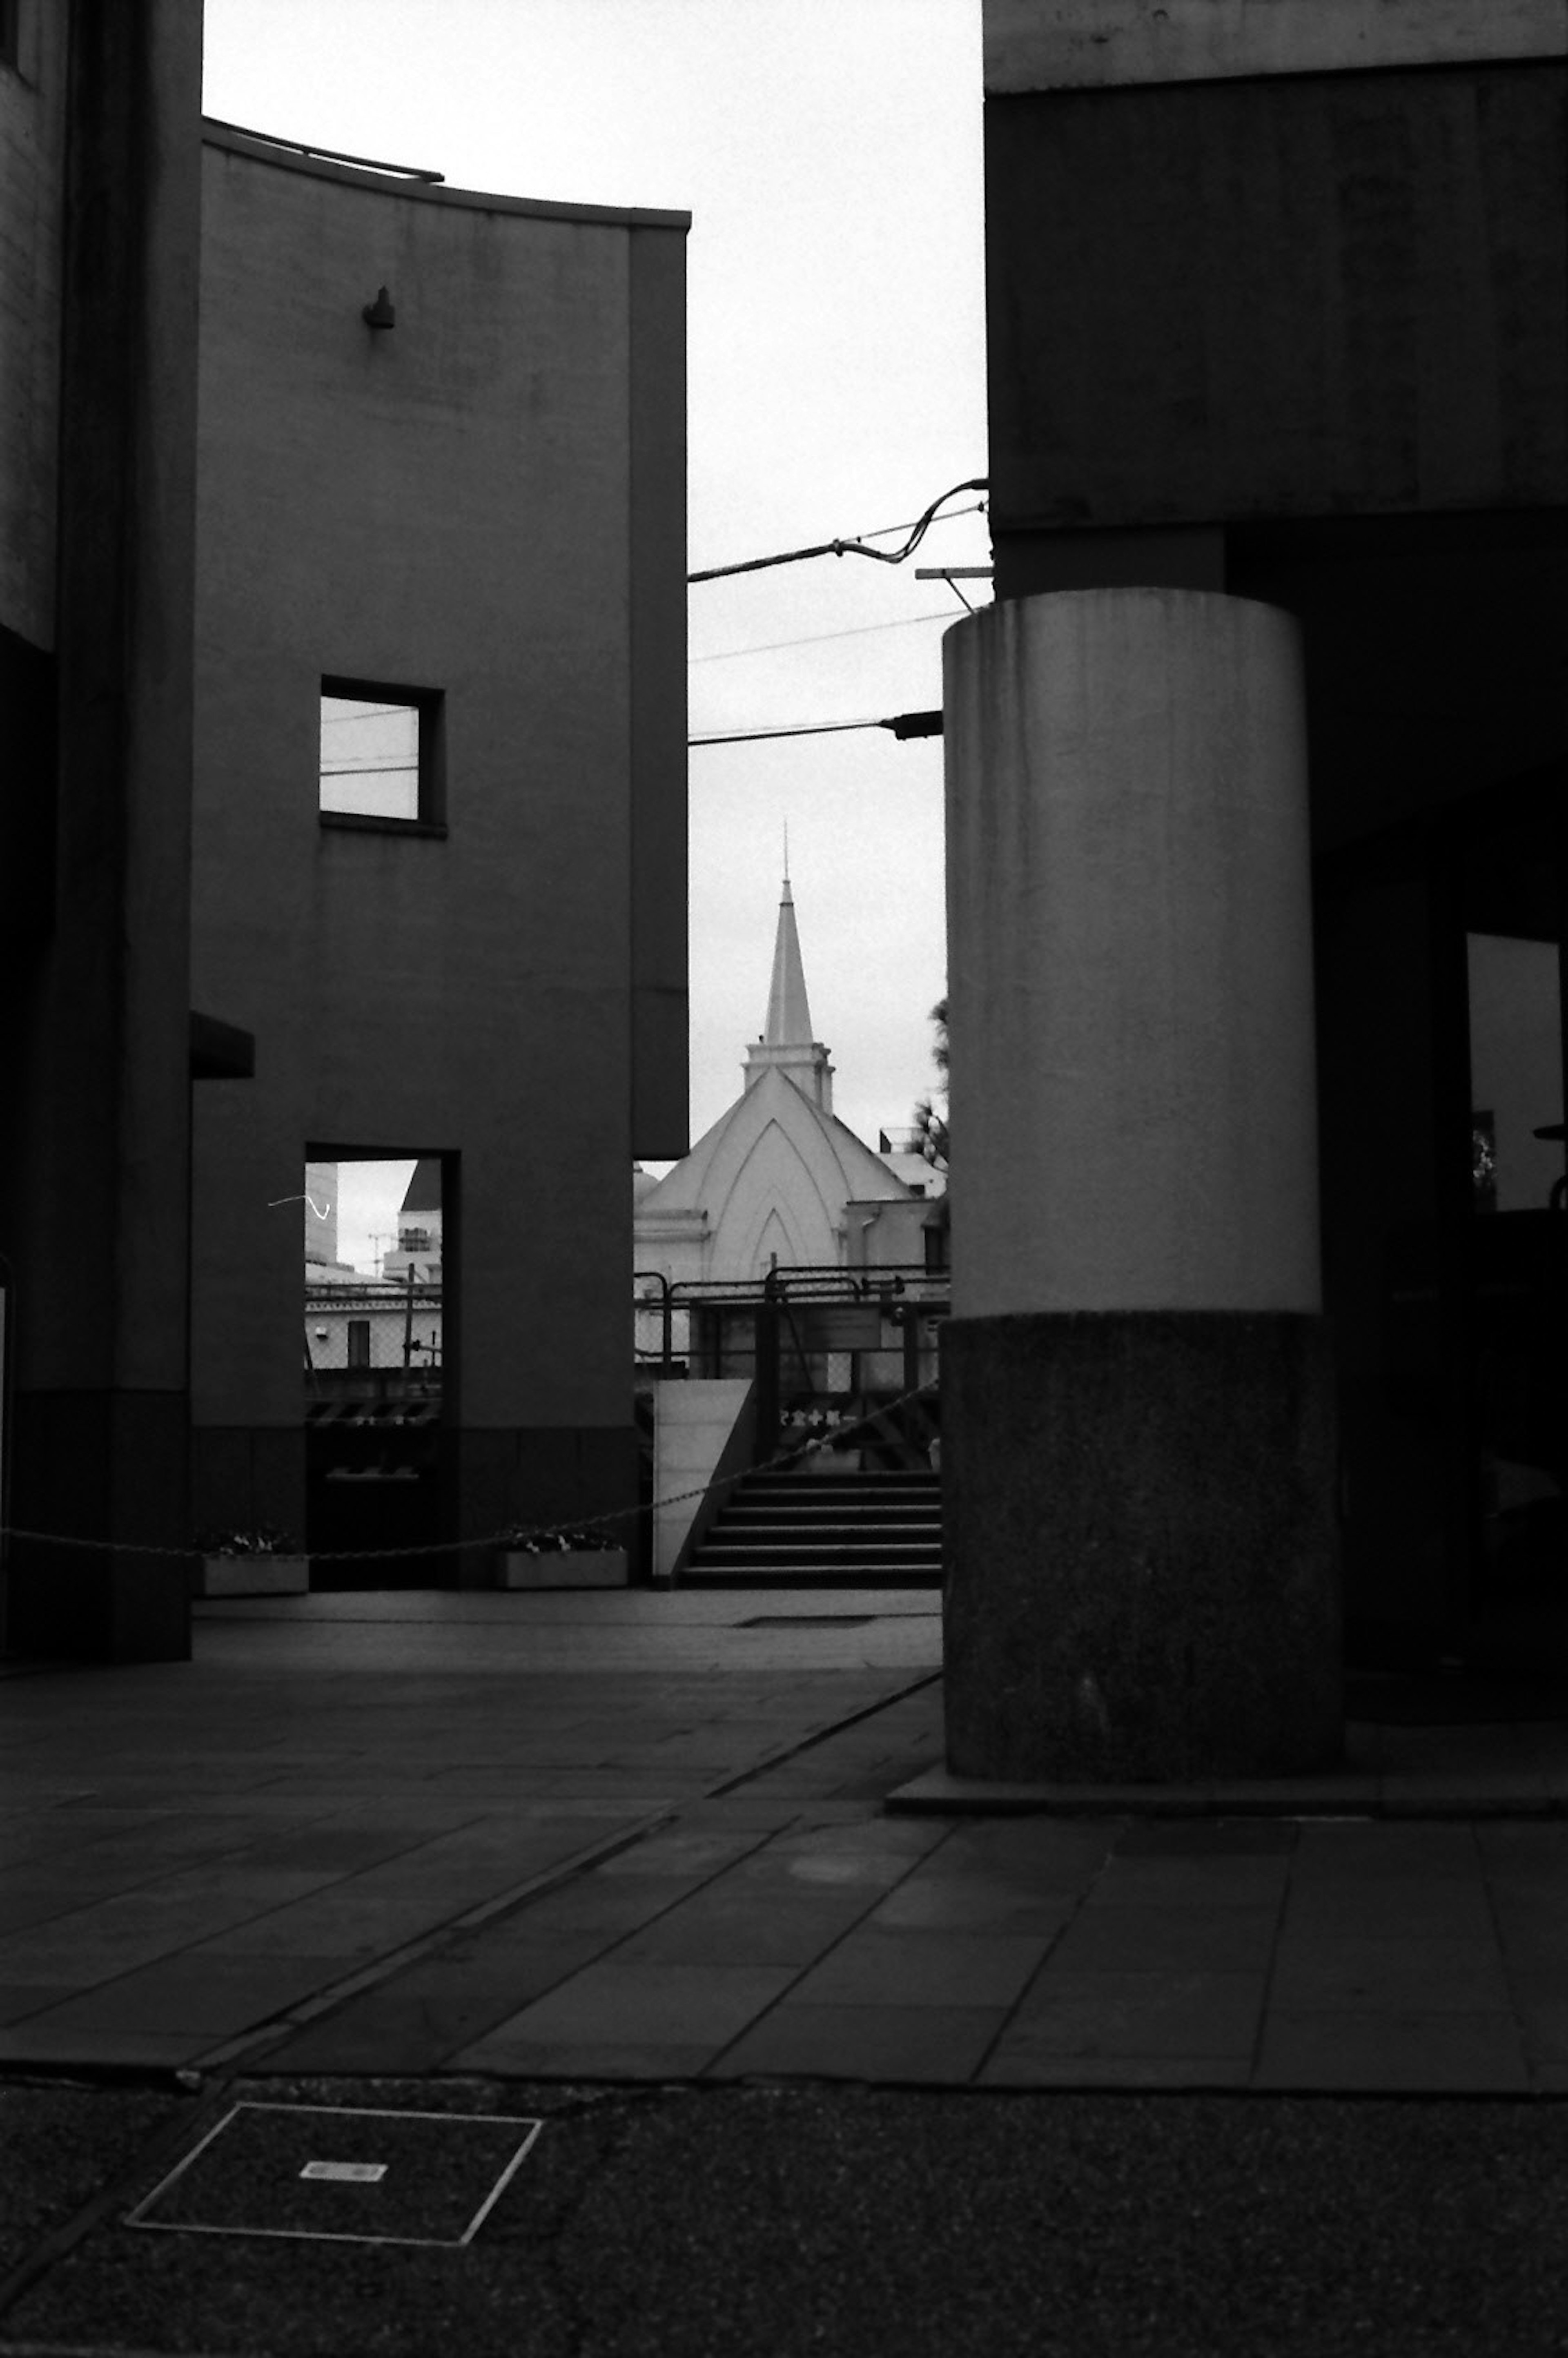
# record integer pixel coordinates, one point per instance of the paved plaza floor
(641, 1836)
(829, 2052)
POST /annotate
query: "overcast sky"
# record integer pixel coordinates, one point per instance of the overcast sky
(829, 154)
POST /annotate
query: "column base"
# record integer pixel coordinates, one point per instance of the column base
(103, 1466)
(1139, 1512)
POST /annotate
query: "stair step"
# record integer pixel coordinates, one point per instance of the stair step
(930, 1507)
(784, 1562)
(796, 1579)
(804, 1492)
(822, 1543)
(827, 1535)
(882, 1528)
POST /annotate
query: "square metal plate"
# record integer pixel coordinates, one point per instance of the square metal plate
(342, 2175)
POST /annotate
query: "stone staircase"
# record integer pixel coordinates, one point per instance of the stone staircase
(879, 1530)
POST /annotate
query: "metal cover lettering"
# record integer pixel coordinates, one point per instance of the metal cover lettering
(358, 2173)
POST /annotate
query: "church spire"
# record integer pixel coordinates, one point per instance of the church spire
(789, 1016)
(787, 1040)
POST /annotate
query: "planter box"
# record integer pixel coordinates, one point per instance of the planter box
(565, 1568)
(255, 1575)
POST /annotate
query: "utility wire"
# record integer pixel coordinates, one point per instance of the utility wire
(817, 638)
(903, 724)
(976, 507)
(917, 533)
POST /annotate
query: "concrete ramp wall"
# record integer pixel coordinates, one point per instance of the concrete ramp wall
(702, 1431)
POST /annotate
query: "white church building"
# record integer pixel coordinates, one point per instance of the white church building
(779, 1181)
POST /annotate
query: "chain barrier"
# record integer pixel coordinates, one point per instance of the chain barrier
(789, 1455)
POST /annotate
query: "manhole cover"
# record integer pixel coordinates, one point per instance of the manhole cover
(808, 1621)
(341, 2175)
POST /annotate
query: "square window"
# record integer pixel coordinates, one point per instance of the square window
(379, 752)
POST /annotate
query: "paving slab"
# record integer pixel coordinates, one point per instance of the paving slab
(934, 2045)
(640, 2004)
(1390, 2047)
(276, 1854)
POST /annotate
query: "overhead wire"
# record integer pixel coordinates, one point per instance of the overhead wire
(817, 638)
(808, 729)
(917, 532)
(903, 724)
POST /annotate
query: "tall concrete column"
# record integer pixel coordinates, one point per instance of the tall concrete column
(95, 1060)
(1139, 1459)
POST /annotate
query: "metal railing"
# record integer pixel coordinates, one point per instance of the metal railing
(822, 1345)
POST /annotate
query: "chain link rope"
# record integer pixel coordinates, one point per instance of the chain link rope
(790, 1454)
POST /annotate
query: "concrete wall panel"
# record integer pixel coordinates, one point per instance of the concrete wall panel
(449, 505)
(33, 115)
(1305, 298)
(1097, 44)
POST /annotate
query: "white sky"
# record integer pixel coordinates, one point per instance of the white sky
(829, 154)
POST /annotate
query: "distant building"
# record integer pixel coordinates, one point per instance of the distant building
(418, 1247)
(779, 1181)
(321, 1225)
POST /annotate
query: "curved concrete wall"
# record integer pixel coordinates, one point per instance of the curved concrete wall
(485, 501)
(1133, 1101)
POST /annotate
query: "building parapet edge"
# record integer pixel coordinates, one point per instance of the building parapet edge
(395, 180)
(1042, 45)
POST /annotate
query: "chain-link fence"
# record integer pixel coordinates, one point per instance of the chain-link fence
(372, 1351)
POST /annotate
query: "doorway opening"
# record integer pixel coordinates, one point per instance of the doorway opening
(1511, 887)
(1441, 954)
(376, 1401)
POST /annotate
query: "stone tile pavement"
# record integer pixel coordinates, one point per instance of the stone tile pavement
(632, 1838)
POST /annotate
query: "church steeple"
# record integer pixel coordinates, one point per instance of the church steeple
(786, 1041)
(789, 1016)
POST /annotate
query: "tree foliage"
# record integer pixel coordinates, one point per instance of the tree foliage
(930, 1123)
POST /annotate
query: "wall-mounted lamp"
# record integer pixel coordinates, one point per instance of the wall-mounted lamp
(380, 314)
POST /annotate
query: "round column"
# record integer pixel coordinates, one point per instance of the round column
(1138, 1448)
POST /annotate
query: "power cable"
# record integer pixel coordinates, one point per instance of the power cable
(817, 638)
(917, 532)
(882, 531)
(903, 724)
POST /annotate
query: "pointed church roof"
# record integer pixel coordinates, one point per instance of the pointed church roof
(774, 1172)
(789, 1016)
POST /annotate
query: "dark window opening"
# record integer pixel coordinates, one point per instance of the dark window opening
(380, 757)
(359, 1342)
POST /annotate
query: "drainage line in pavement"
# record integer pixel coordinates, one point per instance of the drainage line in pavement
(223, 2059)
(809, 1743)
(252, 2044)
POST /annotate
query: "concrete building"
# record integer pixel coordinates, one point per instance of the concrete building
(292, 446)
(1257, 873)
(321, 1224)
(418, 1240)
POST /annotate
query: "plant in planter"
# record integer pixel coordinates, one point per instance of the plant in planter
(572, 1556)
(259, 1560)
